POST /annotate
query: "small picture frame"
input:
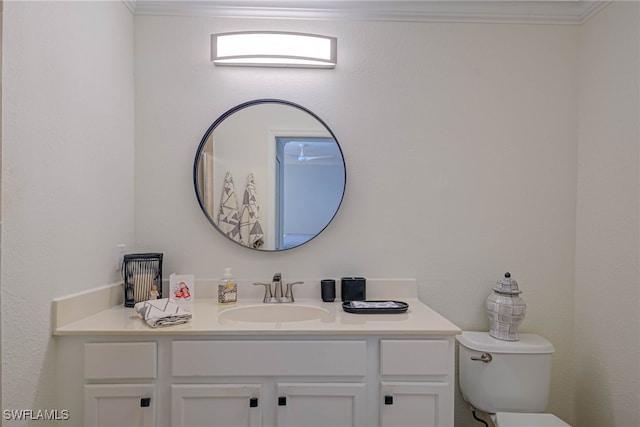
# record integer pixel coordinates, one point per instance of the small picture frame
(182, 288)
(142, 275)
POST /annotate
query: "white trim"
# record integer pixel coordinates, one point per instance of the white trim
(593, 10)
(131, 5)
(531, 12)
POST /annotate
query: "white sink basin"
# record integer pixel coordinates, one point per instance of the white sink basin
(273, 313)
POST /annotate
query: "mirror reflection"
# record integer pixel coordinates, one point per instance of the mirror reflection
(269, 175)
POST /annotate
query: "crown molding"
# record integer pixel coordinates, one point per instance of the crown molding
(131, 5)
(500, 11)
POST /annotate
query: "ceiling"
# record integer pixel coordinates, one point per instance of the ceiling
(501, 11)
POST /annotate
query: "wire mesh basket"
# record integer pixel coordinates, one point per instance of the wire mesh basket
(142, 274)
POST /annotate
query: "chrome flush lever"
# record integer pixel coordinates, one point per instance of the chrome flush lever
(484, 358)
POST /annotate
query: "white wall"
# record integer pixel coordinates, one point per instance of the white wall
(460, 142)
(67, 173)
(607, 295)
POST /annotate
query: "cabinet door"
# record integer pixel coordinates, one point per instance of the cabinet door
(117, 405)
(216, 405)
(321, 404)
(425, 404)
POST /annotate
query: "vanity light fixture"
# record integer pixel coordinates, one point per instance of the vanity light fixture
(274, 49)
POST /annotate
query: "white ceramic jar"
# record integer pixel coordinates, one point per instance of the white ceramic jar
(505, 309)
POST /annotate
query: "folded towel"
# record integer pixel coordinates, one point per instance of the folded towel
(228, 213)
(250, 228)
(161, 312)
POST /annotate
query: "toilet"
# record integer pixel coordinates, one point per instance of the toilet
(509, 380)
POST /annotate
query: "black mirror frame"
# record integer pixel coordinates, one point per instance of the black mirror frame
(218, 121)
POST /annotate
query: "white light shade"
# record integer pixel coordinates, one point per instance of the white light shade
(274, 49)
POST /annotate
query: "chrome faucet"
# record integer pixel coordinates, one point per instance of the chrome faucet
(277, 285)
(289, 293)
(273, 291)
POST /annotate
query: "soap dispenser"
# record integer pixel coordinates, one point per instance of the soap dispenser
(228, 288)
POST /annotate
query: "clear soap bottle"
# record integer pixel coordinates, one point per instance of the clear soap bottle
(228, 288)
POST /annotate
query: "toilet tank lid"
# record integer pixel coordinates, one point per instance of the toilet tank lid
(482, 341)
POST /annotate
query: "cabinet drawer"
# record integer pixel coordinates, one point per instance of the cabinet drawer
(234, 358)
(415, 357)
(120, 360)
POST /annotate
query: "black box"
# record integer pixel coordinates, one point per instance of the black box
(353, 289)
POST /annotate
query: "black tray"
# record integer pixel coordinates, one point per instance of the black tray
(399, 307)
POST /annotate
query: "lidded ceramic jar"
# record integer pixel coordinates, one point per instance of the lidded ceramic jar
(506, 309)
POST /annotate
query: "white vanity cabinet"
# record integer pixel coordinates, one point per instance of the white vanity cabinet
(296, 383)
(322, 404)
(119, 405)
(411, 404)
(216, 405)
(422, 393)
(255, 381)
(337, 370)
(244, 405)
(114, 394)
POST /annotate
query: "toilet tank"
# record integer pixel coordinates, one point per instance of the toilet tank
(517, 379)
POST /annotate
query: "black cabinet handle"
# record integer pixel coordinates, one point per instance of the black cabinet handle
(388, 400)
(145, 402)
(253, 402)
(282, 401)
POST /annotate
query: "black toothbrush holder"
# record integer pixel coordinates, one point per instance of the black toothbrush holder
(328, 290)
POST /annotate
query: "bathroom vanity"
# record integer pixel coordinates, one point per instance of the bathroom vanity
(328, 367)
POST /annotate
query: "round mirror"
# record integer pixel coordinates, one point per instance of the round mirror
(269, 175)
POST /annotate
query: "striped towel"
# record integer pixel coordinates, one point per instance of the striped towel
(228, 214)
(161, 312)
(250, 228)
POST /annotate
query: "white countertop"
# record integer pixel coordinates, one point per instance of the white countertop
(100, 312)
(419, 319)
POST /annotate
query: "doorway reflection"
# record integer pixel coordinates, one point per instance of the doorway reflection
(309, 182)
